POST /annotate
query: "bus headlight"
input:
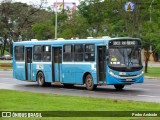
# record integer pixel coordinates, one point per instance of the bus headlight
(110, 72)
(142, 72)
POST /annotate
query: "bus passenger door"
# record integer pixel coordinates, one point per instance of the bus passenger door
(28, 63)
(56, 64)
(101, 64)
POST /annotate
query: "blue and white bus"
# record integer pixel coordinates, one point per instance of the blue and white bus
(108, 61)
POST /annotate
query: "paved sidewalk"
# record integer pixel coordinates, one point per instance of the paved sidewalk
(152, 64)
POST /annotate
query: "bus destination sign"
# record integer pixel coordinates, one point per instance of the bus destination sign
(121, 43)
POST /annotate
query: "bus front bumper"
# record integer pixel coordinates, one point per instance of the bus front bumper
(113, 79)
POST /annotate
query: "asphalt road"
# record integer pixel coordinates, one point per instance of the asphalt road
(148, 91)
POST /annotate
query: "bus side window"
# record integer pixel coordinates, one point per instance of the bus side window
(78, 52)
(67, 53)
(19, 53)
(89, 52)
(46, 57)
(37, 53)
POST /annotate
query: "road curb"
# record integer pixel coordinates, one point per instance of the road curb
(148, 77)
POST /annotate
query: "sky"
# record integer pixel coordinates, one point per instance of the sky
(49, 2)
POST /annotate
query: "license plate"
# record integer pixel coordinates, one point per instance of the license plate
(128, 79)
(122, 73)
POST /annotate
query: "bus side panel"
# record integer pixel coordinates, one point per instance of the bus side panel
(45, 68)
(34, 72)
(14, 65)
(94, 76)
(48, 72)
(19, 71)
(79, 77)
(79, 71)
(68, 73)
(73, 73)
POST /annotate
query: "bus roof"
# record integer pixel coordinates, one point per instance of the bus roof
(72, 41)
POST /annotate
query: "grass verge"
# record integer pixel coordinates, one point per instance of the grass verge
(5, 64)
(27, 101)
(153, 72)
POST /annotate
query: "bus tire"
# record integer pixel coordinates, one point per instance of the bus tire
(119, 87)
(89, 83)
(41, 79)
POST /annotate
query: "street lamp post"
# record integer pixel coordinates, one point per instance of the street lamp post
(63, 5)
(56, 22)
(56, 18)
(151, 21)
(151, 11)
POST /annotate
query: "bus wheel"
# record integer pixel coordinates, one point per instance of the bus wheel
(119, 87)
(89, 83)
(40, 79)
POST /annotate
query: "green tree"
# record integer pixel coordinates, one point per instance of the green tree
(94, 12)
(150, 28)
(70, 25)
(16, 20)
(43, 31)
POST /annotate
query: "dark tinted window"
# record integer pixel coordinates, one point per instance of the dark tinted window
(78, 52)
(57, 55)
(29, 55)
(46, 56)
(89, 52)
(37, 53)
(89, 48)
(78, 48)
(67, 53)
(37, 49)
(42, 53)
(19, 53)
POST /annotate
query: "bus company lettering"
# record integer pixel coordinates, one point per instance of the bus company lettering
(28, 114)
(144, 114)
(34, 115)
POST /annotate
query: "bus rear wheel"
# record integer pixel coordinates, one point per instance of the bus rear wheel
(119, 86)
(89, 83)
(41, 79)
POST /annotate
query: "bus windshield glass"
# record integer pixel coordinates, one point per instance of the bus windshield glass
(125, 57)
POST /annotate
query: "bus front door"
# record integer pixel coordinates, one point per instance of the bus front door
(28, 63)
(101, 64)
(56, 63)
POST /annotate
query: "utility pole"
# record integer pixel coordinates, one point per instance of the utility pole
(56, 21)
(151, 11)
(63, 5)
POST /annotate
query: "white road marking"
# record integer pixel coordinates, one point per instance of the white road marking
(152, 85)
(148, 96)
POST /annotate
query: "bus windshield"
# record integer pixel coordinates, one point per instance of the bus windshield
(125, 57)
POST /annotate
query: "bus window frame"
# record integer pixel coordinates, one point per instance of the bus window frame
(71, 53)
(90, 52)
(79, 53)
(19, 53)
(42, 53)
(46, 53)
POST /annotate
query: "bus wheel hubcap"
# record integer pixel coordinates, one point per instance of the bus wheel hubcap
(40, 79)
(89, 82)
